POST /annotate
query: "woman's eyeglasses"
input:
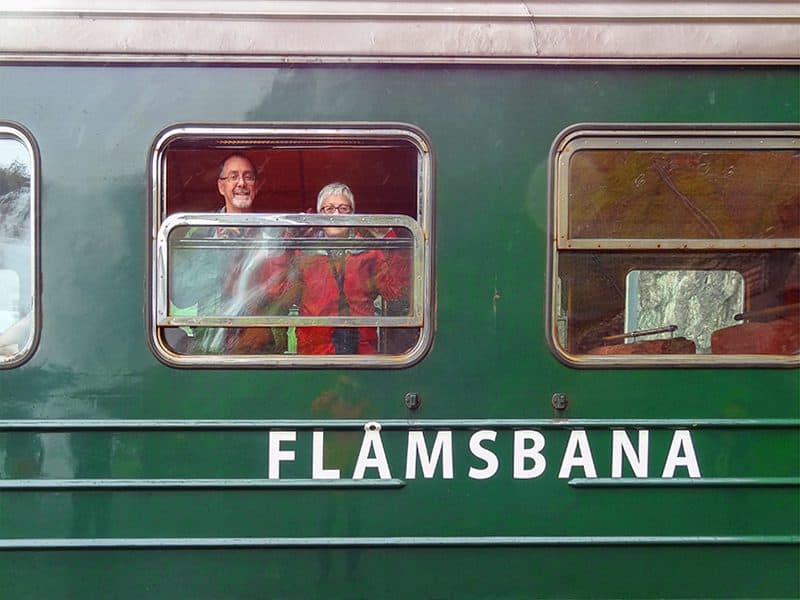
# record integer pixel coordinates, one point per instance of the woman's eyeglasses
(342, 209)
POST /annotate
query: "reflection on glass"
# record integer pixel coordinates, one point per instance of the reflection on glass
(9, 299)
(215, 271)
(690, 194)
(16, 296)
(696, 303)
(290, 271)
(617, 302)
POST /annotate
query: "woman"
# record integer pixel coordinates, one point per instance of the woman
(337, 281)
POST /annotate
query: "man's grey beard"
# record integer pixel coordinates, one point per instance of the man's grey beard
(242, 201)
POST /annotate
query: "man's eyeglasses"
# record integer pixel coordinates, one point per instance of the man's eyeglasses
(234, 177)
(342, 209)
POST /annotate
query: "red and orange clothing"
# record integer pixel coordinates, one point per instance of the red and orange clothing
(309, 279)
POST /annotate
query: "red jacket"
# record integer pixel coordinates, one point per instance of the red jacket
(307, 279)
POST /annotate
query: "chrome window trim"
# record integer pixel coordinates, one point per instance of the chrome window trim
(170, 60)
(565, 243)
(651, 136)
(437, 31)
(10, 129)
(307, 135)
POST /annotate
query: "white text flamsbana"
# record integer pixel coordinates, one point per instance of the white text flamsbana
(482, 462)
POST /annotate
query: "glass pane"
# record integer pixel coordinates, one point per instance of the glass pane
(383, 177)
(688, 194)
(616, 302)
(16, 296)
(9, 298)
(691, 304)
(310, 272)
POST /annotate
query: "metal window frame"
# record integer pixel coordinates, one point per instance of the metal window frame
(415, 319)
(649, 136)
(304, 135)
(16, 131)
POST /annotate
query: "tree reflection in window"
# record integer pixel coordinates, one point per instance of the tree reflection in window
(16, 298)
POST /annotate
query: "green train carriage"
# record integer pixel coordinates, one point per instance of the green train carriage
(589, 389)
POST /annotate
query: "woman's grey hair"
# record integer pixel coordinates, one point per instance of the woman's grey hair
(335, 189)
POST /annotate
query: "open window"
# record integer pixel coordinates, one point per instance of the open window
(278, 284)
(19, 320)
(675, 246)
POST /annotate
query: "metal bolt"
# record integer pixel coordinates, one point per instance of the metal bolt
(559, 401)
(412, 401)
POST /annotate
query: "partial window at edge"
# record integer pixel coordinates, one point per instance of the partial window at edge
(282, 246)
(676, 247)
(18, 294)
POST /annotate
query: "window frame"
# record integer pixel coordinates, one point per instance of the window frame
(180, 220)
(313, 135)
(616, 136)
(16, 131)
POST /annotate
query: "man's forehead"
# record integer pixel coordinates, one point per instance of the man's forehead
(238, 163)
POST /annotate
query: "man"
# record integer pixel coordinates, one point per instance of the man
(236, 183)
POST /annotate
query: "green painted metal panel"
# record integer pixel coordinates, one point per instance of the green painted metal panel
(491, 130)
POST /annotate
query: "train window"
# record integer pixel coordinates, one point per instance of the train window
(673, 246)
(18, 293)
(287, 246)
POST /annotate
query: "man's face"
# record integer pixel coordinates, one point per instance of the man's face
(332, 205)
(237, 184)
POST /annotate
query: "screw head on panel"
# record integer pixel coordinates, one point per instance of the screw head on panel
(560, 401)
(412, 401)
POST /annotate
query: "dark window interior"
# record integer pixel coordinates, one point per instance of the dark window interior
(383, 177)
